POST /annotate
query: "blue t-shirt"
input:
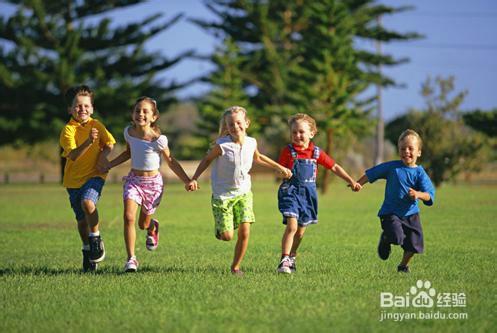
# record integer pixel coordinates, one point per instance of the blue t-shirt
(399, 179)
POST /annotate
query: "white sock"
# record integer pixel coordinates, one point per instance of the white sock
(95, 234)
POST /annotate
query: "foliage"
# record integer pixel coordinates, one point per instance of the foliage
(449, 147)
(482, 121)
(49, 46)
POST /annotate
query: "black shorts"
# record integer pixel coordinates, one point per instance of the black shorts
(406, 231)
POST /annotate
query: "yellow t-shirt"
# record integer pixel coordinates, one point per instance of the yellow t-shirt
(77, 172)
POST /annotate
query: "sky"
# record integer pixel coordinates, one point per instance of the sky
(459, 41)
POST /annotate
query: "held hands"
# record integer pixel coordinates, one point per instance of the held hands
(355, 186)
(286, 173)
(192, 186)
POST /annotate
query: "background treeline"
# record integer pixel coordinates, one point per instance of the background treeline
(275, 57)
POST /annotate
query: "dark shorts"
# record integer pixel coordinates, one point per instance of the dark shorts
(91, 190)
(300, 202)
(405, 231)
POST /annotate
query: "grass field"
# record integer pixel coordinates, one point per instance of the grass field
(185, 285)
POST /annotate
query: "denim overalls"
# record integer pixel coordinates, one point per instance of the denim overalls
(297, 197)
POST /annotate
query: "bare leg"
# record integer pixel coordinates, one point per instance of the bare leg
(241, 245)
(406, 258)
(288, 235)
(83, 231)
(91, 214)
(130, 208)
(144, 221)
(297, 239)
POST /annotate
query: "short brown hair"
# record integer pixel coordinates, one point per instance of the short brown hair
(303, 117)
(81, 90)
(410, 132)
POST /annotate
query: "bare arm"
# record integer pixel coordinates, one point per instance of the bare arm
(77, 152)
(425, 196)
(267, 162)
(121, 158)
(103, 162)
(175, 166)
(340, 172)
(363, 180)
(207, 160)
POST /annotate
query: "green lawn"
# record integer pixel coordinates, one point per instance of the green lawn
(185, 286)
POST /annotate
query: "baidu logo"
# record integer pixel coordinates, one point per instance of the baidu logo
(419, 296)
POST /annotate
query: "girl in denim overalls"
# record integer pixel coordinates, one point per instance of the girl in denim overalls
(297, 197)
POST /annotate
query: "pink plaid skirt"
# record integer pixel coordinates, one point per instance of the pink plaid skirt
(145, 191)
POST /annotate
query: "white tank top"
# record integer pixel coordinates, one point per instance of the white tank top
(230, 171)
(145, 155)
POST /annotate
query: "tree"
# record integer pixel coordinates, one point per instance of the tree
(49, 46)
(301, 57)
(449, 146)
(482, 121)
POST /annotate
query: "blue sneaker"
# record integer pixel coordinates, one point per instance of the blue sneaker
(97, 249)
(384, 247)
(88, 266)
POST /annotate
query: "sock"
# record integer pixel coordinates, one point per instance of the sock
(86, 247)
(283, 255)
(95, 234)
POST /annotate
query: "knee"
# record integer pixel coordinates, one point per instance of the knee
(129, 219)
(226, 236)
(291, 228)
(88, 206)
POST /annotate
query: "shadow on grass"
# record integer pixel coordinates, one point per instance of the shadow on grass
(109, 270)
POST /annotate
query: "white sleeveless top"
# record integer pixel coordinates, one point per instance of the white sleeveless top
(145, 155)
(230, 171)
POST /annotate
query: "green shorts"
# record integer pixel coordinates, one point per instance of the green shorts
(229, 213)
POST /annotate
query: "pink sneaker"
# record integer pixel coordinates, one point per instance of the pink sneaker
(153, 238)
(131, 265)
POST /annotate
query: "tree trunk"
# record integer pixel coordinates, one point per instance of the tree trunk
(326, 173)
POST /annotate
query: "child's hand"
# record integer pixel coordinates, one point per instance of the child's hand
(286, 173)
(413, 194)
(93, 135)
(192, 186)
(355, 187)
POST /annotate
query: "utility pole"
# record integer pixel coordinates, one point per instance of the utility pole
(380, 126)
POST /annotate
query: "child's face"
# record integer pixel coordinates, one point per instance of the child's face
(237, 124)
(301, 133)
(409, 150)
(143, 114)
(81, 109)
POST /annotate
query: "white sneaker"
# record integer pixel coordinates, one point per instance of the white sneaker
(131, 265)
(293, 264)
(284, 266)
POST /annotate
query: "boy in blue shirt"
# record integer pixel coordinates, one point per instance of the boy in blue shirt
(406, 183)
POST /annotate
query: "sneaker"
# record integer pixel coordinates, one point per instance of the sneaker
(131, 265)
(153, 239)
(237, 272)
(403, 269)
(293, 264)
(88, 266)
(97, 249)
(284, 266)
(384, 247)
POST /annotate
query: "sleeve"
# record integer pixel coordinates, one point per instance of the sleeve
(379, 171)
(425, 185)
(285, 158)
(105, 136)
(162, 142)
(325, 160)
(67, 140)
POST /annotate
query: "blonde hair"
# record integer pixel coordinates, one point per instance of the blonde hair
(410, 132)
(152, 102)
(303, 117)
(223, 129)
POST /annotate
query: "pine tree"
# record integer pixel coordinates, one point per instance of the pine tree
(51, 46)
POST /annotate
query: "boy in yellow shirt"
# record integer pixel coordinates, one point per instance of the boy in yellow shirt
(86, 143)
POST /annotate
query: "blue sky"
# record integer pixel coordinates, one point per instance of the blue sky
(460, 41)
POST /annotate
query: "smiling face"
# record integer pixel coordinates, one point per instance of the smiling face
(82, 108)
(409, 150)
(144, 114)
(301, 133)
(237, 125)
